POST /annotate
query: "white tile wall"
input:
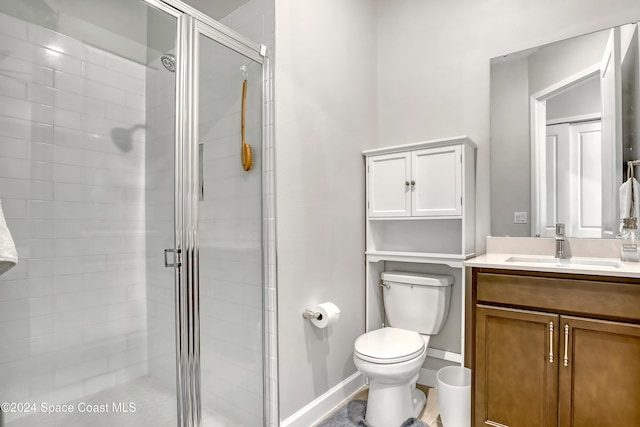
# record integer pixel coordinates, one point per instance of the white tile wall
(73, 313)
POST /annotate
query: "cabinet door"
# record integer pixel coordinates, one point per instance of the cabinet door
(516, 375)
(437, 181)
(389, 178)
(599, 373)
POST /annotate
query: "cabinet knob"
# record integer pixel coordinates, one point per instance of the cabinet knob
(413, 183)
(406, 183)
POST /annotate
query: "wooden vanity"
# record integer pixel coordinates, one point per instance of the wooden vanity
(553, 348)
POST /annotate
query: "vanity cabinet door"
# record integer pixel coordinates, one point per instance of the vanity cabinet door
(436, 188)
(516, 375)
(599, 373)
(389, 185)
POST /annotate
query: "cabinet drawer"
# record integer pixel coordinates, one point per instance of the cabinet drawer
(610, 299)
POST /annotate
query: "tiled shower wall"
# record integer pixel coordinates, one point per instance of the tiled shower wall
(72, 174)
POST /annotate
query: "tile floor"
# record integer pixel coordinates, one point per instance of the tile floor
(154, 406)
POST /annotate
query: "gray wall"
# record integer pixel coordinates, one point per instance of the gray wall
(630, 95)
(582, 99)
(510, 175)
(560, 60)
(325, 116)
(434, 65)
(510, 145)
(350, 78)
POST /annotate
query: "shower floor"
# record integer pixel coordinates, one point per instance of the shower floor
(154, 406)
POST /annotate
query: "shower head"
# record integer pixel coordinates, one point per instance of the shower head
(169, 62)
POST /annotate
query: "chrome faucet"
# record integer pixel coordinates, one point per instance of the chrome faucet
(560, 241)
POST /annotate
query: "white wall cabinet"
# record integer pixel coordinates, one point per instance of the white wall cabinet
(426, 182)
(420, 204)
(389, 184)
(437, 181)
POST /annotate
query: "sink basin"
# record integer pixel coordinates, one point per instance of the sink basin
(555, 262)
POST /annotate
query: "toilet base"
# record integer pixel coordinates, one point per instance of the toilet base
(390, 405)
(393, 397)
(419, 400)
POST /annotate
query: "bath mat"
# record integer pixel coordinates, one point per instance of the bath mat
(352, 414)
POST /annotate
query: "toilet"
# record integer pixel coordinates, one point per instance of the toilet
(416, 307)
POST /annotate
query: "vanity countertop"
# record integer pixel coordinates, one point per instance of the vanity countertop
(592, 257)
(576, 265)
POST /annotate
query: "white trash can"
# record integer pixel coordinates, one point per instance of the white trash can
(454, 396)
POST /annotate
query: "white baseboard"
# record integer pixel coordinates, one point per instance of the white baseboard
(317, 409)
(444, 355)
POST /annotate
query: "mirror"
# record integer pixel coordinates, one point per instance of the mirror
(563, 127)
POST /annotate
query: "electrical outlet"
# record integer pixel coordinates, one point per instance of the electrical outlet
(519, 217)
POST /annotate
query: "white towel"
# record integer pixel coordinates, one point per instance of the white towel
(630, 198)
(8, 253)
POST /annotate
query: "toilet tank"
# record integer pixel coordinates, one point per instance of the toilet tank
(416, 301)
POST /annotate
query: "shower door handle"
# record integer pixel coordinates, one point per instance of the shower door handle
(176, 258)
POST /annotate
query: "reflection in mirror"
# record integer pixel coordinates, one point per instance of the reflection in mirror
(563, 126)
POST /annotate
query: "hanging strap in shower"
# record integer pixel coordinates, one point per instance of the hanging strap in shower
(246, 151)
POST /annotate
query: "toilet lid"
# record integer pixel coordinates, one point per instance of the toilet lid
(389, 345)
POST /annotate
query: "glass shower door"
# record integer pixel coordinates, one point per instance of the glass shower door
(230, 234)
(98, 188)
(87, 321)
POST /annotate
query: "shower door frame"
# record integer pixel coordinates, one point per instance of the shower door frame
(191, 23)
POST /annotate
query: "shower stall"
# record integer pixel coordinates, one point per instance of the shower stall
(144, 293)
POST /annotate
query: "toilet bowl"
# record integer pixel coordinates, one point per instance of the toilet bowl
(416, 306)
(391, 359)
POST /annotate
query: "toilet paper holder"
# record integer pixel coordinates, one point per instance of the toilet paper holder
(310, 314)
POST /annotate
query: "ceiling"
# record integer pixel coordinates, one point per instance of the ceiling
(127, 27)
(217, 9)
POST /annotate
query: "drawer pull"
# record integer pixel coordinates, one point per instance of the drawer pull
(550, 342)
(566, 345)
(494, 424)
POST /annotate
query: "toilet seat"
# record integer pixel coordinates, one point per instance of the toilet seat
(389, 345)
